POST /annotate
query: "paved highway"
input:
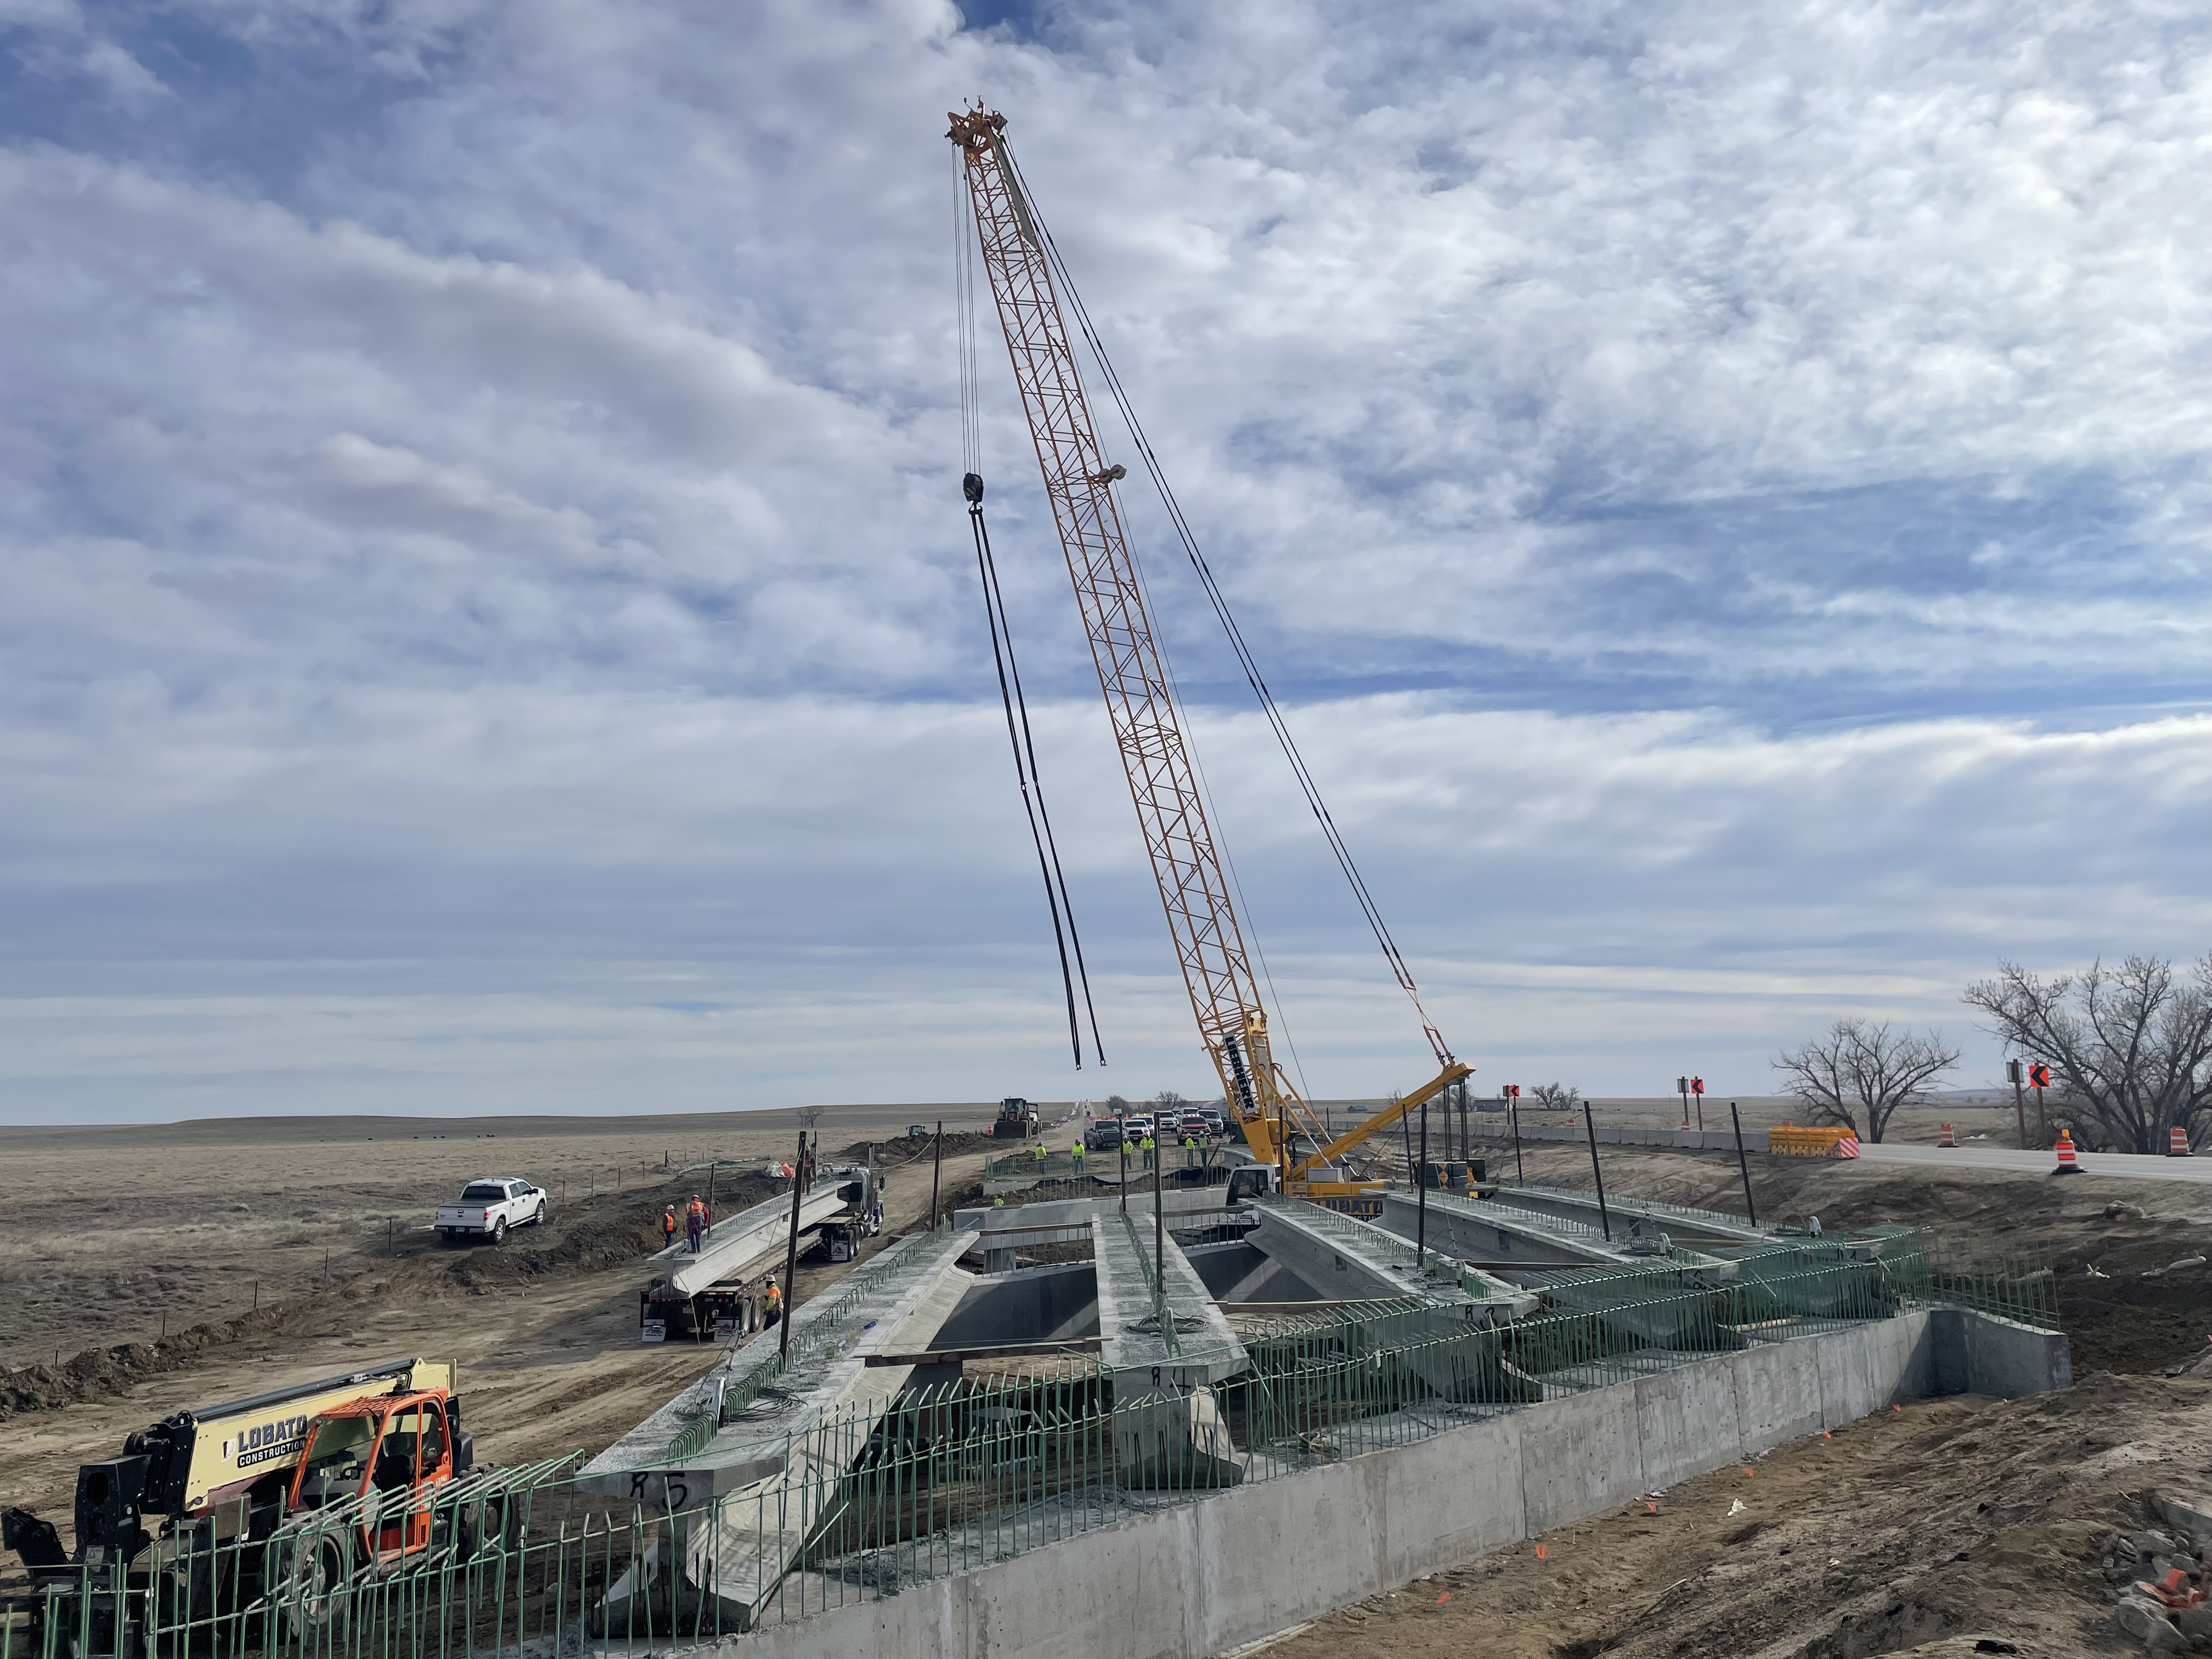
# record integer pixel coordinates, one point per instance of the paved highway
(2122, 1165)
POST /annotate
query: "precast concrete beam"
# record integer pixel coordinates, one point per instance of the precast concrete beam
(1495, 1230)
(1346, 1258)
(1166, 1345)
(730, 1247)
(1066, 1220)
(741, 1506)
(1677, 1221)
(1355, 1260)
(1638, 1241)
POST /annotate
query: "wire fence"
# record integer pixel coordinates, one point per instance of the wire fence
(727, 1533)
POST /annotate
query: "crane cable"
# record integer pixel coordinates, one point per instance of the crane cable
(1269, 707)
(1065, 939)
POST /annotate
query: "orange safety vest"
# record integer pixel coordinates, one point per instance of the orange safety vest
(774, 1297)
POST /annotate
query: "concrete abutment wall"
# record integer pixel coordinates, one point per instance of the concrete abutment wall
(1208, 1574)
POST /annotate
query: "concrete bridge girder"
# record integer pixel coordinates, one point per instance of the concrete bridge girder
(769, 1472)
(1166, 1345)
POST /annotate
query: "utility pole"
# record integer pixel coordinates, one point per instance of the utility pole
(791, 1256)
(2012, 1075)
(1513, 1116)
(1605, 1220)
(936, 1173)
(1749, 1208)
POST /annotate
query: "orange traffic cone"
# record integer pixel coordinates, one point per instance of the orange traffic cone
(1946, 1138)
(2068, 1164)
(2176, 1142)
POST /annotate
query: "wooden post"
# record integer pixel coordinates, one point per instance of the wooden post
(1749, 1208)
(936, 1173)
(1513, 1116)
(790, 1256)
(2013, 1069)
(1604, 1220)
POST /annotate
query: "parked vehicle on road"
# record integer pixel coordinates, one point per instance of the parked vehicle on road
(1102, 1135)
(489, 1207)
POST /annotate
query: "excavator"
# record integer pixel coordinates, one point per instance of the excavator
(1027, 278)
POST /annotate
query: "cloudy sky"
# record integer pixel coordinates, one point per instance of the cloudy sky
(486, 621)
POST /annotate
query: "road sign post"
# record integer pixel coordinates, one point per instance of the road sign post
(1698, 1088)
(1682, 1088)
(2039, 1079)
(2014, 1073)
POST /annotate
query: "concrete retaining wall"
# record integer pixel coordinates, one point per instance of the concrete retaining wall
(1190, 1581)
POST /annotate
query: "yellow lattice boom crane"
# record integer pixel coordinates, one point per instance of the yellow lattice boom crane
(1180, 843)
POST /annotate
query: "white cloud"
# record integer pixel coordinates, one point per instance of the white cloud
(480, 530)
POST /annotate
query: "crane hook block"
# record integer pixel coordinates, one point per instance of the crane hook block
(971, 486)
(1113, 474)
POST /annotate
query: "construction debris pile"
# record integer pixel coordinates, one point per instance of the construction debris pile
(2158, 1577)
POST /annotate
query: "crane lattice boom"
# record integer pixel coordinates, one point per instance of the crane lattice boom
(1079, 483)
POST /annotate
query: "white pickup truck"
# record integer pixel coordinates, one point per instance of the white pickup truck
(486, 1209)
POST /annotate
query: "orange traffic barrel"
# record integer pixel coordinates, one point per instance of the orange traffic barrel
(2176, 1142)
(2068, 1163)
(1946, 1138)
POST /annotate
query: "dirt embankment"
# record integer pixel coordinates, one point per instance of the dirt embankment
(610, 1230)
(2114, 1244)
(1925, 1532)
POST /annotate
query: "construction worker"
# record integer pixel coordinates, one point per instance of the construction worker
(694, 1222)
(1146, 1147)
(1075, 1153)
(771, 1304)
(1036, 1153)
(668, 1228)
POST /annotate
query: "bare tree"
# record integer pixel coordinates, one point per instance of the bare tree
(1556, 1096)
(808, 1117)
(2130, 1046)
(1168, 1101)
(1116, 1106)
(1859, 1072)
